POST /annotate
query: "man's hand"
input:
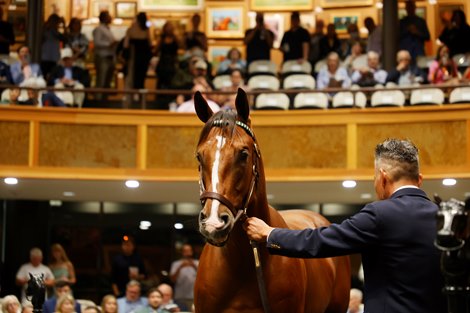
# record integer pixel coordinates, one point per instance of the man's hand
(257, 229)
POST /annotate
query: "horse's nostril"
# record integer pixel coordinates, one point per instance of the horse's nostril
(202, 216)
(225, 218)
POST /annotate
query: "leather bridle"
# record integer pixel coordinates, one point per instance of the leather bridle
(204, 195)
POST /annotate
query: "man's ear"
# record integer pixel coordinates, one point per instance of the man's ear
(384, 178)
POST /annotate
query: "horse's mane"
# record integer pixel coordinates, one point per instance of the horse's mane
(226, 122)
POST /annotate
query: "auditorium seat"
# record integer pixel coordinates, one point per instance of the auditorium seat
(294, 67)
(460, 95)
(266, 82)
(385, 98)
(343, 99)
(272, 101)
(311, 100)
(262, 67)
(427, 96)
(299, 81)
(84, 303)
(222, 81)
(319, 65)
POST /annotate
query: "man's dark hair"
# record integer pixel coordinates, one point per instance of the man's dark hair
(400, 157)
(62, 283)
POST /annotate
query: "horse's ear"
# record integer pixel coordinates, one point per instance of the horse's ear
(437, 199)
(241, 103)
(203, 109)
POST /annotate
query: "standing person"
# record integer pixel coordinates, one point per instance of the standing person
(456, 35)
(109, 304)
(295, 42)
(137, 40)
(61, 266)
(259, 41)
(52, 38)
(315, 50)
(195, 38)
(374, 40)
(183, 275)
(395, 236)
(34, 267)
(330, 42)
(77, 41)
(413, 32)
(7, 36)
(105, 45)
(126, 266)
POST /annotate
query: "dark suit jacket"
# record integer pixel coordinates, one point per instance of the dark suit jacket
(394, 75)
(395, 237)
(78, 73)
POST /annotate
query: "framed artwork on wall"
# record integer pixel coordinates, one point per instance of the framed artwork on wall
(420, 11)
(225, 22)
(274, 22)
(125, 10)
(79, 9)
(344, 3)
(175, 5)
(342, 21)
(281, 5)
(100, 6)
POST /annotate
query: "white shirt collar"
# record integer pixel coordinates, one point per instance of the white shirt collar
(405, 186)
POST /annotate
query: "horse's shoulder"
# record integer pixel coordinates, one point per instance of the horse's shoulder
(300, 219)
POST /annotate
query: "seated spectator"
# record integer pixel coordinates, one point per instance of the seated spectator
(27, 308)
(332, 75)
(356, 51)
(39, 98)
(109, 304)
(232, 62)
(11, 304)
(443, 69)
(168, 301)
(11, 96)
(227, 101)
(155, 303)
(65, 304)
(188, 106)
(355, 301)
(24, 69)
(5, 75)
(370, 75)
(405, 74)
(132, 299)
(61, 288)
(67, 75)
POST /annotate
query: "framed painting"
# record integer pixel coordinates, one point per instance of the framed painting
(225, 22)
(420, 11)
(18, 19)
(345, 3)
(274, 22)
(100, 6)
(342, 21)
(444, 15)
(171, 5)
(125, 10)
(79, 9)
(281, 5)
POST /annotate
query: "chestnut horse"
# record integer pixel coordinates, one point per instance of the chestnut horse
(232, 182)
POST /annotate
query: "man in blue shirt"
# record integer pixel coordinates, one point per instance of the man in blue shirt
(132, 300)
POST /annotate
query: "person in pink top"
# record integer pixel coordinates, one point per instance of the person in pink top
(443, 69)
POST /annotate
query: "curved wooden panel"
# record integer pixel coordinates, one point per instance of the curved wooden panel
(14, 140)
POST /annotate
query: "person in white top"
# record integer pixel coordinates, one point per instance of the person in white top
(33, 267)
(188, 106)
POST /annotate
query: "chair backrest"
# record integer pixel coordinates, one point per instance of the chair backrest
(361, 99)
(319, 65)
(387, 98)
(272, 101)
(311, 100)
(360, 61)
(292, 66)
(391, 85)
(460, 95)
(266, 82)
(222, 81)
(427, 96)
(84, 303)
(262, 67)
(299, 81)
(423, 61)
(343, 99)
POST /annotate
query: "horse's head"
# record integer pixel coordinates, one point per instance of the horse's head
(453, 223)
(228, 163)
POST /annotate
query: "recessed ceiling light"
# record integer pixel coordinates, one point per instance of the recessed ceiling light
(145, 223)
(143, 227)
(349, 183)
(69, 194)
(11, 181)
(132, 184)
(178, 226)
(449, 182)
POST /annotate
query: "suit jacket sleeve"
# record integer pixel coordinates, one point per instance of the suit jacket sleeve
(355, 233)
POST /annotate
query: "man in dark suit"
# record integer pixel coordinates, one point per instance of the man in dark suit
(395, 236)
(61, 288)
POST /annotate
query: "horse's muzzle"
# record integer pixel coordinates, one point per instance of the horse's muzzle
(216, 229)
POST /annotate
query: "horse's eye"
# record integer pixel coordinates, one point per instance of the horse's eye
(244, 153)
(198, 157)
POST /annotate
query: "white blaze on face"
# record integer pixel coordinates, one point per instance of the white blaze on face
(213, 219)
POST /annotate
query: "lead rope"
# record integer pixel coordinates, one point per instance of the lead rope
(259, 275)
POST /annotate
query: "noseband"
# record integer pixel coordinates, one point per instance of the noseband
(237, 213)
(452, 205)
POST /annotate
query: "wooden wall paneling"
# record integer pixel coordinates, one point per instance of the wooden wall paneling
(14, 143)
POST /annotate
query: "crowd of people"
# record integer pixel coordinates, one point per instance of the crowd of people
(131, 293)
(183, 65)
